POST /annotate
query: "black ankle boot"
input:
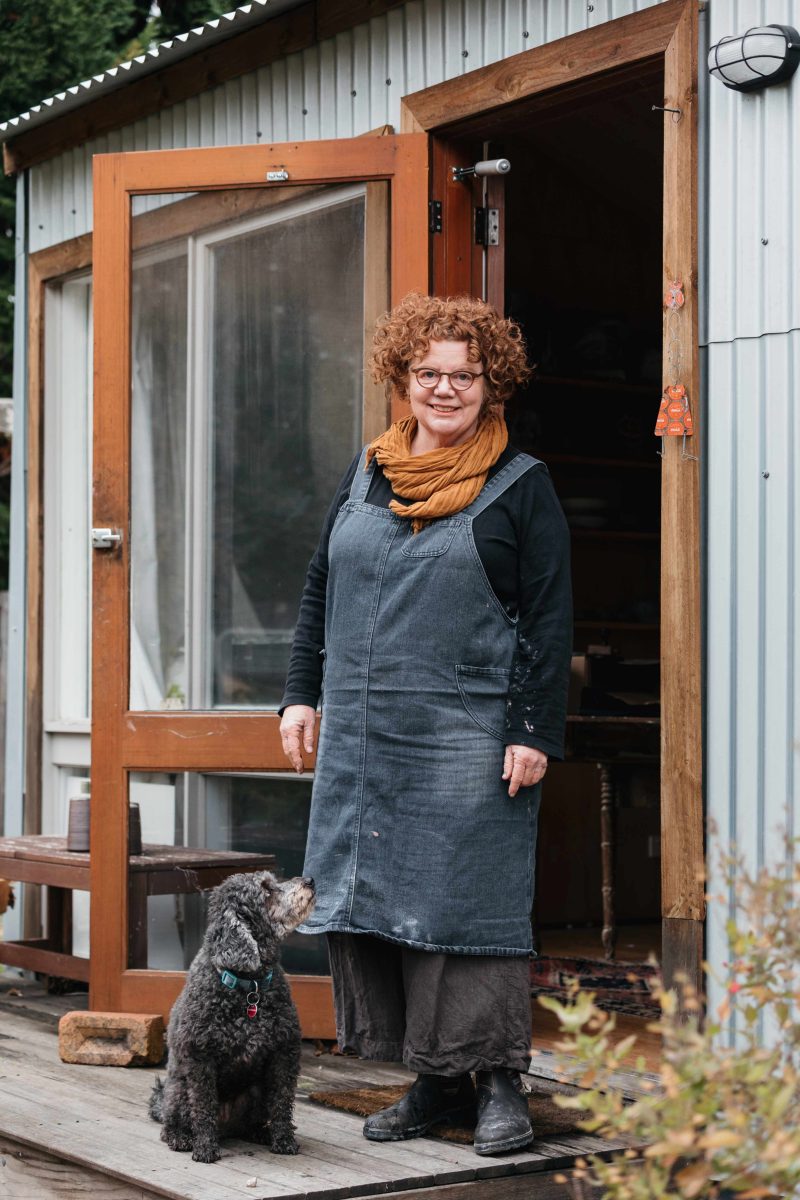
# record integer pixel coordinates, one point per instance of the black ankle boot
(503, 1121)
(430, 1098)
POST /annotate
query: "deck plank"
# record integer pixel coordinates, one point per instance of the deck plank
(28, 1173)
(93, 1121)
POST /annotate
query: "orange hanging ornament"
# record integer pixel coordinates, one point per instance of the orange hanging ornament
(674, 415)
(674, 297)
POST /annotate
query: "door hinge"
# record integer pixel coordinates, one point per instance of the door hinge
(487, 226)
(435, 216)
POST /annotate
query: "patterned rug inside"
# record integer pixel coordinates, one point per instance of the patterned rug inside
(546, 1117)
(619, 987)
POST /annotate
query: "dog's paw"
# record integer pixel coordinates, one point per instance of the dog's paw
(283, 1143)
(177, 1141)
(206, 1154)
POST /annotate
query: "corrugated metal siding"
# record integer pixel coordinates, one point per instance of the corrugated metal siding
(339, 88)
(754, 178)
(753, 446)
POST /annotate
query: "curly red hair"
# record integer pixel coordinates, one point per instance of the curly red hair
(406, 332)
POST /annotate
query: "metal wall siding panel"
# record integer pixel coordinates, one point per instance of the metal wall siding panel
(754, 186)
(345, 85)
(16, 706)
(476, 33)
(379, 73)
(753, 651)
(721, 614)
(309, 65)
(192, 109)
(415, 46)
(83, 181)
(749, 596)
(396, 60)
(752, 313)
(493, 22)
(779, 565)
(362, 77)
(432, 35)
(327, 104)
(455, 63)
(249, 102)
(54, 223)
(513, 27)
(280, 105)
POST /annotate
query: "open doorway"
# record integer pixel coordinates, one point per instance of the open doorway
(578, 261)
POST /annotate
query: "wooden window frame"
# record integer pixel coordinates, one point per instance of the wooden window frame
(541, 76)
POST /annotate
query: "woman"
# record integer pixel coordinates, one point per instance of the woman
(437, 606)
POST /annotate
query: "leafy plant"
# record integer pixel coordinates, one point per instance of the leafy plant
(723, 1118)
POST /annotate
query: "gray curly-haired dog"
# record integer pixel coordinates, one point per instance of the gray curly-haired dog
(233, 1034)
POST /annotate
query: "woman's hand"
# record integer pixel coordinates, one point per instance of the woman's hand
(297, 730)
(524, 766)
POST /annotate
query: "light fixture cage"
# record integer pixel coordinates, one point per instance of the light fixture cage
(764, 55)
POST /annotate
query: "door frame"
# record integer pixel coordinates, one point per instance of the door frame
(124, 741)
(539, 76)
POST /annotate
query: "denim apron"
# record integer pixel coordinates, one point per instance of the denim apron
(412, 835)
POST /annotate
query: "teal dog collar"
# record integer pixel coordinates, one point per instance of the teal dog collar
(253, 987)
(229, 980)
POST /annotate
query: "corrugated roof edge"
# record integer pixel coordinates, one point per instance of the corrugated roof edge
(161, 56)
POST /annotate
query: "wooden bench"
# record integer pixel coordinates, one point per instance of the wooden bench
(157, 871)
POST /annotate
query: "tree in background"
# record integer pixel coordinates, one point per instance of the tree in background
(46, 47)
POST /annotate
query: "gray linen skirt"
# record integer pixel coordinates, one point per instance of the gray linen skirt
(440, 1014)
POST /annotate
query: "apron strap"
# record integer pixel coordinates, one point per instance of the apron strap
(362, 479)
(500, 483)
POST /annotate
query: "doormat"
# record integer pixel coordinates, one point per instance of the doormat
(546, 1117)
(619, 987)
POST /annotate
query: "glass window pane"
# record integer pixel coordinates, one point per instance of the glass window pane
(247, 348)
(158, 479)
(286, 347)
(197, 829)
(67, 498)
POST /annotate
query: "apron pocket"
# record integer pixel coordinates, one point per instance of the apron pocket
(484, 692)
(432, 540)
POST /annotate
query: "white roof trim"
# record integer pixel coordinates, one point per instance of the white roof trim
(183, 45)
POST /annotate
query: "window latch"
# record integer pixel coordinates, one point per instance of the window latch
(106, 539)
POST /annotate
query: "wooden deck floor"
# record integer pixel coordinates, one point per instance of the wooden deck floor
(75, 1131)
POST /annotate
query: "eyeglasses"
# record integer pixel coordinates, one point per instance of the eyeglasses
(461, 380)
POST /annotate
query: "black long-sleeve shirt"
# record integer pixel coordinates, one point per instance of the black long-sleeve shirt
(522, 540)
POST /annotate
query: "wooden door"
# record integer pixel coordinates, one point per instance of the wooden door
(460, 114)
(234, 290)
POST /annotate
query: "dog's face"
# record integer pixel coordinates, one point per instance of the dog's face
(249, 915)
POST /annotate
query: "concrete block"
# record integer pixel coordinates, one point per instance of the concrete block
(111, 1039)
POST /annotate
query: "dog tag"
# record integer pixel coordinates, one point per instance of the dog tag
(252, 1009)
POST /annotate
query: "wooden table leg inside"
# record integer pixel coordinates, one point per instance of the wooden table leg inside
(59, 919)
(607, 857)
(137, 920)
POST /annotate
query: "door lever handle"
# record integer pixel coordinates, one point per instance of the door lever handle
(106, 539)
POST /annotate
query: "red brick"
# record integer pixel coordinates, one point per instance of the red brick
(111, 1039)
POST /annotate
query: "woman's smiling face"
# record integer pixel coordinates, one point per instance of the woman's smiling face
(445, 415)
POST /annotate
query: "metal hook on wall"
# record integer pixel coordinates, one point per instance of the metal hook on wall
(677, 113)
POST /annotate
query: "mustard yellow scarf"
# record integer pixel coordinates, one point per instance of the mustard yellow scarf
(441, 482)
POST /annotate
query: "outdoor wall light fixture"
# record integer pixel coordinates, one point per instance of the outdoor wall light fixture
(758, 58)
